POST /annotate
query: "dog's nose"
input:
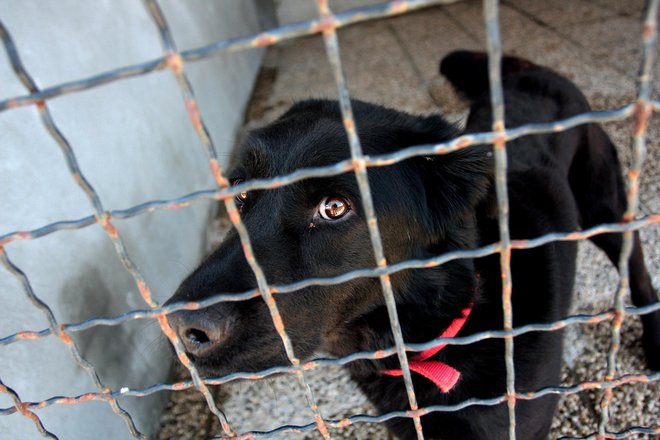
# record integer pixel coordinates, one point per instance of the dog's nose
(199, 333)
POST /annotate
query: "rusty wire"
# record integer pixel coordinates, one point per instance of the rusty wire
(263, 39)
(360, 168)
(24, 411)
(494, 46)
(327, 23)
(642, 116)
(380, 160)
(362, 418)
(50, 126)
(348, 276)
(176, 64)
(588, 319)
(626, 433)
(104, 219)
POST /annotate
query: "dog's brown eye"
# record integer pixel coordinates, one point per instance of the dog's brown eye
(333, 208)
(242, 196)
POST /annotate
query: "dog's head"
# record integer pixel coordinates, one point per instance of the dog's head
(317, 228)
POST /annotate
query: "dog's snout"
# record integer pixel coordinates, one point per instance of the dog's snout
(198, 332)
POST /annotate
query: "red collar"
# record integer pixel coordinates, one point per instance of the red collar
(441, 374)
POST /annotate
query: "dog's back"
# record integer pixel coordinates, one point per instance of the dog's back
(557, 183)
(585, 154)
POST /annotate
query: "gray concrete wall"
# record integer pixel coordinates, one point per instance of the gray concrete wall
(135, 143)
(291, 11)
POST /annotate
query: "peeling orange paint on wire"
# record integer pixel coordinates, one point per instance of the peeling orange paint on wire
(174, 62)
(217, 173)
(399, 7)
(265, 40)
(643, 112)
(324, 25)
(28, 335)
(193, 112)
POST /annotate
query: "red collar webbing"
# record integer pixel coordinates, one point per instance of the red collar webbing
(441, 374)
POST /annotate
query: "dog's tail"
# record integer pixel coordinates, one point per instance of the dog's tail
(468, 71)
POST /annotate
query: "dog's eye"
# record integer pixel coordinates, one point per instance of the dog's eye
(242, 196)
(333, 208)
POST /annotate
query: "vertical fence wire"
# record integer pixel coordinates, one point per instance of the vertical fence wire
(47, 120)
(491, 21)
(643, 112)
(359, 163)
(176, 64)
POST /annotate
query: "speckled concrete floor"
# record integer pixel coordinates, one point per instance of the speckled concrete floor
(394, 62)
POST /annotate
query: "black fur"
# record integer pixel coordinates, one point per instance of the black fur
(426, 206)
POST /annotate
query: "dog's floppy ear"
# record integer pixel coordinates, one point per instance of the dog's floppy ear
(454, 183)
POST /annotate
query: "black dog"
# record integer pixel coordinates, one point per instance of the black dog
(426, 206)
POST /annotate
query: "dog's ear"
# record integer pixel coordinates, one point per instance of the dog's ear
(454, 183)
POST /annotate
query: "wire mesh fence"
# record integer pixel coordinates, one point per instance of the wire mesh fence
(327, 24)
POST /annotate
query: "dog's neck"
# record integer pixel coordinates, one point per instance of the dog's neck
(442, 375)
(425, 306)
